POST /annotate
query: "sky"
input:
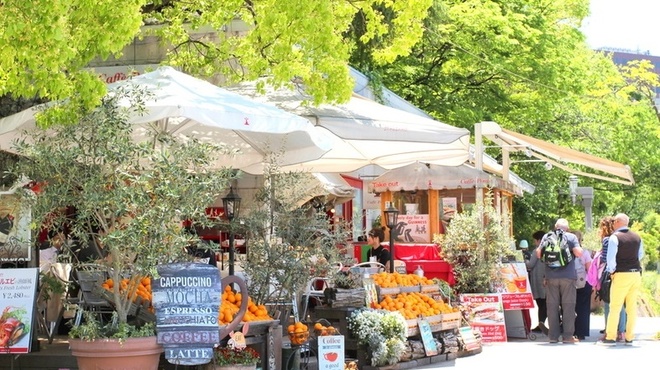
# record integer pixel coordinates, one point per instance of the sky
(625, 24)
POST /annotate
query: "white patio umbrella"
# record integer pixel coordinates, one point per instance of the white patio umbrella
(187, 107)
(365, 132)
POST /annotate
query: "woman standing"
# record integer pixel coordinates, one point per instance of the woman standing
(375, 237)
(605, 229)
(583, 293)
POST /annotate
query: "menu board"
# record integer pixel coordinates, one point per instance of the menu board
(18, 289)
(485, 313)
(512, 281)
(186, 297)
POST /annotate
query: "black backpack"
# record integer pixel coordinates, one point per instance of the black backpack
(554, 250)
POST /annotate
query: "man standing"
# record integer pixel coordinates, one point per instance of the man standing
(625, 251)
(560, 286)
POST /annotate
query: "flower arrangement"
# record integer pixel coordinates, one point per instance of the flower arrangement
(224, 356)
(383, 332)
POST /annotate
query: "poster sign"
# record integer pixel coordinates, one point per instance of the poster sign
(513, 282)
(371, 295)
(18, 289)
(412, 229)
(15, 234)
(186, 298)
(331, 352)
(430, 347)
(485, 313)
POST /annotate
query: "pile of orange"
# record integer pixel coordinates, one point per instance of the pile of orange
(412, 305)
(395, 279)
(298, 333)
(322, 330)
(231, 303)
(140, 285)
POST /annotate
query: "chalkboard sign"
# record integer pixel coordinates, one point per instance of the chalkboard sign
(186, 297)
(430, 347)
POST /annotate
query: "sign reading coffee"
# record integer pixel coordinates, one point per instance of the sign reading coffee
(186, 297)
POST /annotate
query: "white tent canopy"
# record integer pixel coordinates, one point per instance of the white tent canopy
(423, 176)
(186, 107)
(365, 132)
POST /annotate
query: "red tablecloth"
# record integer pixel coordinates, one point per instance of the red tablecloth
(427, 256)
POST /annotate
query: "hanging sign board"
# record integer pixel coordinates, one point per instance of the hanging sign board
(18, 289)
(430, 347)
(186, 297)
(331, 352)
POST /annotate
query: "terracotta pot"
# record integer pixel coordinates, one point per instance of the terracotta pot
(109, 354)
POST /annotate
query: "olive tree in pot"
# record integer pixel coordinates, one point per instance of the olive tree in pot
(291, 239)
(129, 195)
(476, 242)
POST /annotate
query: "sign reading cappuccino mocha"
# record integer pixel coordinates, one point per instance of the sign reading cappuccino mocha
(186, 297)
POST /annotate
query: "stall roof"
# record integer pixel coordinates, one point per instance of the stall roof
(424, 176)
(559, 156)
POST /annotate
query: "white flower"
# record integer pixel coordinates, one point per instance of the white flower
(383, 332)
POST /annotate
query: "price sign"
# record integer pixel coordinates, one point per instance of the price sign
(430, 347)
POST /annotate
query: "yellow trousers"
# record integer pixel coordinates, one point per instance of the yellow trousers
(625, 289)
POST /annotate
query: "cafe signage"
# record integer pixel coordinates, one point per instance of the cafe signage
(186, 297)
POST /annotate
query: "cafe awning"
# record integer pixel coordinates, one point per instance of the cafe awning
(424, 176)
(559, 156)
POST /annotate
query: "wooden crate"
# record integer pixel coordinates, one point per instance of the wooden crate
(450, 321)
(348, 298)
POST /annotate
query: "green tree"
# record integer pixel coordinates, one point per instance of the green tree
(47, 44)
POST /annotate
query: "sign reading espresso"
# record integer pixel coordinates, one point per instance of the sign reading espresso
(186, 297)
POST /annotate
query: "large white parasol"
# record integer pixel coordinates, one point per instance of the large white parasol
(365, 132)
(187, 107)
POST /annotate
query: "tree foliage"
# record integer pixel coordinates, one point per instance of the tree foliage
(47, 44)
(525, 65)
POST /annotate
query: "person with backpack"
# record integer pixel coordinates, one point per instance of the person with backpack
(625, 252)
(558, 250)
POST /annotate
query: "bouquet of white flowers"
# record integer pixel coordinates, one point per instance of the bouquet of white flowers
(383, 332)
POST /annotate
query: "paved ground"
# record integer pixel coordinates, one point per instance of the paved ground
(540, 354)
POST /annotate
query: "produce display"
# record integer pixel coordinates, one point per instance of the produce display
(142, 289)
(395, 279)
(322, 330)
(230, 305)
(298, 333)
(412, 305)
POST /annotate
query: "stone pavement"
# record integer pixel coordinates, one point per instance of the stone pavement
(540, 354)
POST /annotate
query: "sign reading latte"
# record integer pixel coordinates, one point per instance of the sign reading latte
(186, 297)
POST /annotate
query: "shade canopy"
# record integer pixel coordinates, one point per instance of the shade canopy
(365, 132)
(559, 156)
(423, 176)
(186, 107)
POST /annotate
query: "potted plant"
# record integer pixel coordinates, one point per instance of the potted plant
(475, 244)
(228, 358)
(290, 240)
(129, 199)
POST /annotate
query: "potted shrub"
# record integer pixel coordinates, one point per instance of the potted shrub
(228, 358)
(129, 199)
(290, 240)
(475, 244)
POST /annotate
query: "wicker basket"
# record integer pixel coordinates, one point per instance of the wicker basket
(298, 337)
